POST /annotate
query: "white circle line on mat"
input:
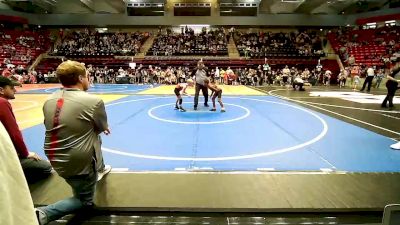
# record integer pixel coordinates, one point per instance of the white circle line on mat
(239, 157)
(150, 113)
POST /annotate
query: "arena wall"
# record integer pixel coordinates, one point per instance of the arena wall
(102, 20)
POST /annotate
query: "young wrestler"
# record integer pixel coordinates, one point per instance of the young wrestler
(180, 90)
(216, 92)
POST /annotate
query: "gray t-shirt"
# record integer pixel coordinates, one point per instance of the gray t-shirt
(201, 75)
(72, 140)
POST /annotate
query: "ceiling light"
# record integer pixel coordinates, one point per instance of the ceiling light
(292, 1)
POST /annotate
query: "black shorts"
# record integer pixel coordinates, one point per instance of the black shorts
(177, 92)
(217, 94)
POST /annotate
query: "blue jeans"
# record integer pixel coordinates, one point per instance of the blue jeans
(83, 187)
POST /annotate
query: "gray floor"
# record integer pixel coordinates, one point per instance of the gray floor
(223, 218)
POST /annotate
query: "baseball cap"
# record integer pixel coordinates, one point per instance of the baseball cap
(4, 81)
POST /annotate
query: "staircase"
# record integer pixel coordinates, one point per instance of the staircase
(329, 51)
(145, 47)
(332, 65)
(37, 61)
(232, 50)
(331, 55)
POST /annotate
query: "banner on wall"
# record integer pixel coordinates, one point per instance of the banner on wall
(13, 19)
(362, 21)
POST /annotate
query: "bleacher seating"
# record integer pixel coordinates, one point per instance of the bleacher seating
(273, 45)
(367, 46)
(91, 44)
(22, 47)
(188, 43)
(48, 65)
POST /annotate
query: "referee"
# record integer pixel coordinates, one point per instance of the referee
(200, 76)
(368, 79)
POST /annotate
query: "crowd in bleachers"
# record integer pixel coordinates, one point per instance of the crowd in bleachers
(92, 43)
(18, 48)
(268, 44)
(95, 45)
(367, 46)
(187, 42)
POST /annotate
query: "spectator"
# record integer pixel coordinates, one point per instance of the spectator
(6, 72)
(33, 166)
(351, 60)
(327, 78)
(392, 85)
(379, 77)
(73, 121)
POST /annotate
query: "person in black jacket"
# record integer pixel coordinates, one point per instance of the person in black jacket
(392, 85)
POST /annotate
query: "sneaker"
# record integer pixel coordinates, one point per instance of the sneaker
(213, 110)
(206, 105)
(41, 216)
(176, 108)
(223, 110)
(396, 146)
(195, 108)
(105, 171)
(182, 110)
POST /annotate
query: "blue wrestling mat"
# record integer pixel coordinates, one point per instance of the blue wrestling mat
(256, 133)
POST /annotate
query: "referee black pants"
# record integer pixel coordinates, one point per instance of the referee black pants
(203, 89)
(368, 80)
(391, 86)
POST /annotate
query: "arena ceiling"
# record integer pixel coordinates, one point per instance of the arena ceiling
(265, 6)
